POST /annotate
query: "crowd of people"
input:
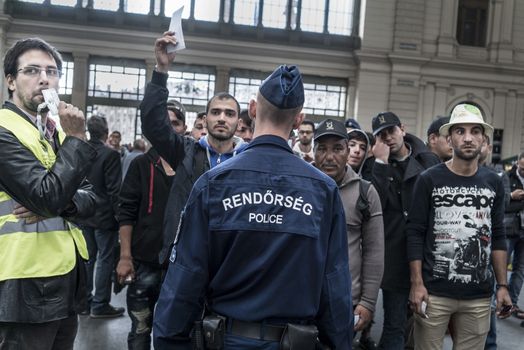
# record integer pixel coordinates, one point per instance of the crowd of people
(237, 234)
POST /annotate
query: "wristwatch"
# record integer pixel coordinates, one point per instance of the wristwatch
(498, 286)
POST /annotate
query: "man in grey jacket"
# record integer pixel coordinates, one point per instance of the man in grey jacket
(365, 228)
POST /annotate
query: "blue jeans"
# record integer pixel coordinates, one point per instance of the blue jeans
(395, 317)
(100, 245)
(142, 296)
(516, 245)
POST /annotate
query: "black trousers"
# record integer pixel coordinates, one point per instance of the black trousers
(53, 335)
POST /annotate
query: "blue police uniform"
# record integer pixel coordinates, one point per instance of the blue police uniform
(262, 239)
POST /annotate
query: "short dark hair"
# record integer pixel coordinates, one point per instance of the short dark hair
(21, 47)
(223, 96)
(308, 122)
(97, 127)
(200, 115)
(244, 115)
(116, 132)
(359, 136)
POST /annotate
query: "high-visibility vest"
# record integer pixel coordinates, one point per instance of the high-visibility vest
(43, 249)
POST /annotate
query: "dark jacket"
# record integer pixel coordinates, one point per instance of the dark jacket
(105, 176)
(395, 194)
(276, 259)
(142, 204)
(513, 211)
(58, 192)
(188, 157)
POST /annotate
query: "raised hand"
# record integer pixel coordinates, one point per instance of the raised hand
(164, 59)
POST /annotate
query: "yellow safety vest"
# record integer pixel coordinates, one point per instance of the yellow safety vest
(43, 249)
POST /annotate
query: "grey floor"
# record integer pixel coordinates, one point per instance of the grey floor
(111, 334)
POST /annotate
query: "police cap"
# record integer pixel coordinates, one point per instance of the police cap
(284, 88)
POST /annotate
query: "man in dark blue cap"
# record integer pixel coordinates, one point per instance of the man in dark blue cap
(438, 143)
(352, 124)
(261, 248)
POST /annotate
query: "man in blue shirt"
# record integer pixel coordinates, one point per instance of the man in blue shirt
(262, 240)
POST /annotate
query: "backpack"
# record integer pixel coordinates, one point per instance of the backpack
(362, 201)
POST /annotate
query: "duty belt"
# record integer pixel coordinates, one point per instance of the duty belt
(259, 331)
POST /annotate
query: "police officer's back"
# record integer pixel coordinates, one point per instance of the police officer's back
(262, 240)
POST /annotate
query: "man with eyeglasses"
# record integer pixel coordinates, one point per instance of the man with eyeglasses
(304, 147)
(42, 272)
(399, 159)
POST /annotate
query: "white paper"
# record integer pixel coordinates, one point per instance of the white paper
(52, 100)
(423, 307)
(176, 26)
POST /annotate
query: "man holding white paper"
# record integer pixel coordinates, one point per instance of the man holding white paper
(42, 272)
(187, 157)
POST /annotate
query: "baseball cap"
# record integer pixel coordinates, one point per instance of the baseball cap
(384, 120)
(284, 88)
(178, 108)
(436, 124)
(352, 123)
(331, 127)
(465, 113)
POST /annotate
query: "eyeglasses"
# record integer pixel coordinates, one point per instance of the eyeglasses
(34, 71)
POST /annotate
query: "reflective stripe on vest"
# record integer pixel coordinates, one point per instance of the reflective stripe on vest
(45, 248)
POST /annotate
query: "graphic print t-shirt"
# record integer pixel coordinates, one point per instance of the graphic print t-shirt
(454, 223)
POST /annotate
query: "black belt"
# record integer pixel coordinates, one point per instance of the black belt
(258, 331)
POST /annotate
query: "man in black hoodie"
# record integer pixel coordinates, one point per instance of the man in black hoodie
(101, 231)
(399, 159)
(188, 158)
(142, 204)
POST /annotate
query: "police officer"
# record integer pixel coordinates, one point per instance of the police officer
(262, 240)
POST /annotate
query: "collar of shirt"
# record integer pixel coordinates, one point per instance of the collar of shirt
(270, 140)
(50, 125)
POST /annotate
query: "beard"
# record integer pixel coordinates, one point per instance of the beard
(31, 105)
(457, 152)
(306, 142)
(222, 136)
